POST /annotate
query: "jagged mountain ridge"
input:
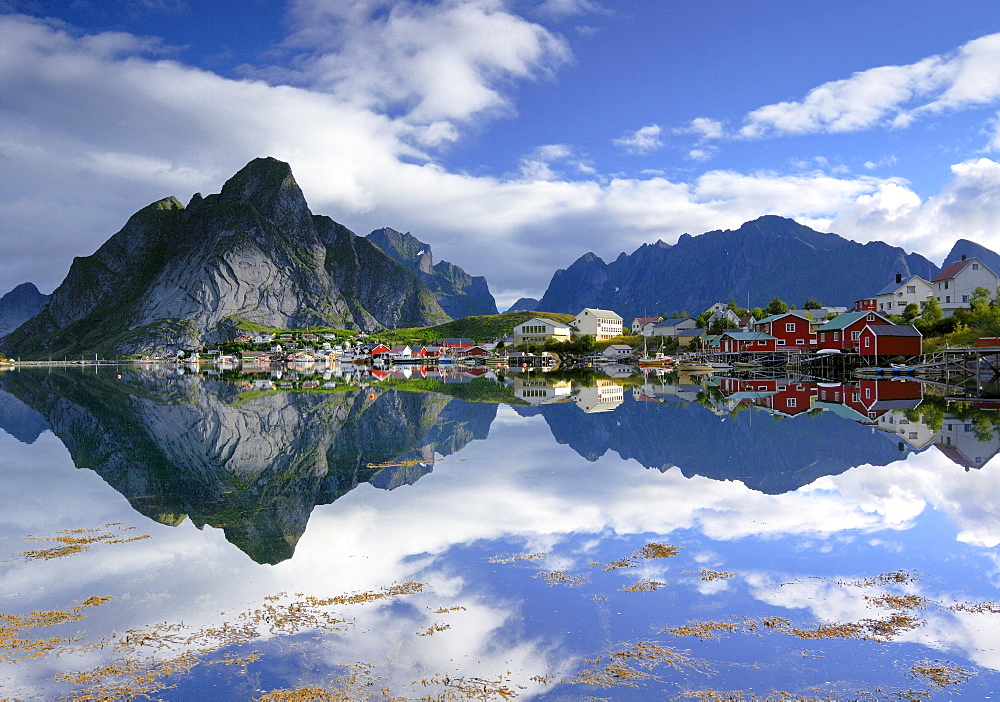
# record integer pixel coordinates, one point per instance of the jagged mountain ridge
(458, 293)
(770, 256)
(178, 277)
(19, 305)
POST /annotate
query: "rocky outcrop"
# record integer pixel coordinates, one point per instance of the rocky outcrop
(178, 277)
(770, 256)
(19, 305)
(458, 293)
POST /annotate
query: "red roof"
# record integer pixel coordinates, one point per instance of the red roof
(951, 270)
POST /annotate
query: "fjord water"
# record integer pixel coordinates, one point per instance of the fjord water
(669, 540)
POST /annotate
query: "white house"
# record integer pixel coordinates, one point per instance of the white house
(894, 297)
(538, 330)
(601, 324)
(618, 351)
(671, 327)
(639, 322)
(953, 287)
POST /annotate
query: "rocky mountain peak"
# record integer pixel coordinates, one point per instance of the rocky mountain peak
(267, 185)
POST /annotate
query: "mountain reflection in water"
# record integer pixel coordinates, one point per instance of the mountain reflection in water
(475, 535)
(253, 454)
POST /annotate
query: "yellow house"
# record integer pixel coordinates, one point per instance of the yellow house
(538, 330)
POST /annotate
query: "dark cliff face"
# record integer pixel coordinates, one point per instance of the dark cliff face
(184, 447)
(176, 277)
(19, 305)
(458, 293)
(768, 257)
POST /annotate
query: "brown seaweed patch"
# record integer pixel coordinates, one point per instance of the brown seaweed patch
(706, 631)
(940, 674)
(895, 577)
(987, 607)
(434, 628)
(446, 610)
(633, 664)
(654, 550)
(619, 564)
(357, 685)
(403, 464)
(14, 646)
(514, 557)
(128, 679)
(709, 575)
(644, 585)
(562, 577)
(901, 603)
(469, 688)
(740, 696)
(72, 541)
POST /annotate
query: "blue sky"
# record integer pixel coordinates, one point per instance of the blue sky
(511, 136)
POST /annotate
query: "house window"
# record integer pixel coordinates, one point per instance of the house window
(822, 336)
(947, 298)
(781, 342)
(800, 342)
(911, 289)
(965, 298)
(871, 318)
(836, 336)
(782, 388)
(790, 326)
(855, 335)
(868, 341)
(856, 397)
(888, 306)
(792, 402)
(913, 435)
(975, 266)
(946, 285)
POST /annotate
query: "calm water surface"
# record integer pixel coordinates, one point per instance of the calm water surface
(249, 536)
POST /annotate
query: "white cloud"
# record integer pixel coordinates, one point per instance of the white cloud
(880, 97)
(642, 140)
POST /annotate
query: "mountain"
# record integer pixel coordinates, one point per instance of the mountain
(458, 293)
(766, 257)
(178, 277)
(19, 305)
(524, 304)
(964, 248)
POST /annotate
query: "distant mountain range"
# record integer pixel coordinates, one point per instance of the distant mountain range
(18, 306)
(770, 256)
(254, 254)
(458, 293)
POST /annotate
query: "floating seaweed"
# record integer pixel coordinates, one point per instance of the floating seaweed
(654, 550)
(941, 674)
(644, 585)
(15, 647)
(710, 575)
(72, 541)
(514, 557)
(562, 577)
(634, 664)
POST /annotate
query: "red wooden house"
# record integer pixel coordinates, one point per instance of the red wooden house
(844, 330)
(791, 330)
(890, 340)
(738, 341)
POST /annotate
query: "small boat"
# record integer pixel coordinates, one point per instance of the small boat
(691, 367)
(658, 360)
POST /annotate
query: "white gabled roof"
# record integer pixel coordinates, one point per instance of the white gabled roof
(600, 313)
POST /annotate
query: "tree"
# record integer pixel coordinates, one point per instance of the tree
(758, 313)
(777, 306)
(932, 312)
(812, 304)
(702, 320)
(911, 311)
(719, 325)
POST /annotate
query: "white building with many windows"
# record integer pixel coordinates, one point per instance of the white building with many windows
(538, 330)
(894, 297)
(600, 324)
